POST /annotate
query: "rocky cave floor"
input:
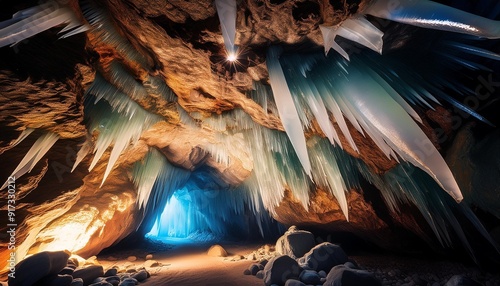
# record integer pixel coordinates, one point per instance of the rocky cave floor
(172, 261)
(187, 262)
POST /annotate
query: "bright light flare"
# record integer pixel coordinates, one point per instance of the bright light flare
(232, 57)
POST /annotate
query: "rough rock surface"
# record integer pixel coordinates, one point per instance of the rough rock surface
(295, 243)
(38, 266)
(217, 251)
(345, 276)
(42, 82)
(279, 269)
(323, 256)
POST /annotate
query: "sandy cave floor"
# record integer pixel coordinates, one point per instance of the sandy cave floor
(186, 262)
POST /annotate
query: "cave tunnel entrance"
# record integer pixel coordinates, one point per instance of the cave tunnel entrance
(211, 214)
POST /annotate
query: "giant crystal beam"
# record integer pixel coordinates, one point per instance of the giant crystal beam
(432, 15)
(286, 108)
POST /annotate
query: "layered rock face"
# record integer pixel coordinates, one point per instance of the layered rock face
(169, 58)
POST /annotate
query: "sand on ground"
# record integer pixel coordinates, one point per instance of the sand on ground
(187, 263)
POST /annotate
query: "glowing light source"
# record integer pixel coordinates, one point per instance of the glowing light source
(232, 57)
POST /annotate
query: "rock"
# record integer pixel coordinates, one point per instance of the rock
(129, 282)
(279, 269)
(77, 282)
(149, 257)
(247, 272)
(111, 272)
(341, 275)
(55, 280)
(111, 258)
(66, 270)
(295, 243)
(237, 258)
(263, 262)
(131, 258)
(323, 256)
(141, 275)
(37, 266)
(254, 268)
(293, 282)
(102, 283)
(115, 280)
(260, 274)
(461, 280)
(310, 277)
(349, 264)
(217, 251)
(89, 273)
(152, 263)
(251, 256)
(322, 274)
(76, 259)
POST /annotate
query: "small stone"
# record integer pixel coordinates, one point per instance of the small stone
(247, 272)
(89, 274)
(217, 251)
(129, 282)
(293, 282)
(141, 275)
(102, 283)
(115, 280)
(263, 262)
(149, 256)
(254, 268)
(260, 274)
(310, 277)
(322, 274)
(131, 270)
(131, 258)
(152, 263)
(111, 272)
(111, 258)
(67, 270)
(237, 258)
(251, 256)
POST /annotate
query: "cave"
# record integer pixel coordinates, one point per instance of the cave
(250, 142)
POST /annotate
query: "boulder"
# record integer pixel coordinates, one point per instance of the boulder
(323, 256)
(37, 266)
(217, 251)
(77, 282)
(295, 243)
(55, 280)
(89, 274)
(279, 269)
(341, 275)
